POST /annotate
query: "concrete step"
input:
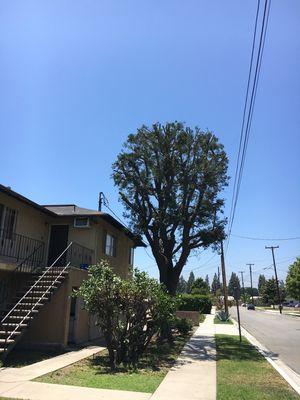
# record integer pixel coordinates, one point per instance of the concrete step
(6, 341)
(13, 324)
(8, 333)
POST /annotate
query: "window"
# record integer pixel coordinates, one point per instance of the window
(110, 245)
(131, 256)
(81, 222)
(9, 222)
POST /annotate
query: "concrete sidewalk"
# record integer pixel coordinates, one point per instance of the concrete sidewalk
(194, 374)
(45, 391)
(35, 370)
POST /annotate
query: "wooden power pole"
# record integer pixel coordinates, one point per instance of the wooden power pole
(276, 277)
(242, 275)
(224, 278)
(250, 268)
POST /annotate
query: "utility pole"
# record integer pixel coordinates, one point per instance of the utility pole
(250, 268)
(236, 296)
(101, 200)
(242, 275)
(224, 278)
(276, 277)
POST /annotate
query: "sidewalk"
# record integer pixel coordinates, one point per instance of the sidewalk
(194, 374)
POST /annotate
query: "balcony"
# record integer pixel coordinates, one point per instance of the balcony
(26, 252)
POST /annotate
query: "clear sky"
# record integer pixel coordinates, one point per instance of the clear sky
(76, 77)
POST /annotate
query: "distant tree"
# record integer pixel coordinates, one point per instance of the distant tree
(270, 295)
(200, 287)
(182, 286)
(207, 280)
(261, 283)
(249, 291)
(170, 178)
(190, 282)
(282, 290)
(215, 285)
(234, 285)
(293, 280)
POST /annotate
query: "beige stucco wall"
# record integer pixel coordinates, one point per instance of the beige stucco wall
(30, 221)
(92, 238)
(37, 225)
(51, 325)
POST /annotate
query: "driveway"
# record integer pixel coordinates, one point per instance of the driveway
(280, 334)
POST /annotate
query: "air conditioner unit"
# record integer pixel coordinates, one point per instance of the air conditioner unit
(81, 222)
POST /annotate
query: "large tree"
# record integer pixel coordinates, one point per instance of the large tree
(170, 178)
(293, 280)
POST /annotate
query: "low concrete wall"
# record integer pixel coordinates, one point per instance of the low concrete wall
(192, 315)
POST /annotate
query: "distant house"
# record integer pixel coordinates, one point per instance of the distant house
(45, 252)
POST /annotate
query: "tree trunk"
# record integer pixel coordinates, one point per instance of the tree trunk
(169, 276)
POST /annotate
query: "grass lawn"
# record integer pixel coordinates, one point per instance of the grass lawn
(21, 358)
(218, 321)
(94, 372)
(242, 373)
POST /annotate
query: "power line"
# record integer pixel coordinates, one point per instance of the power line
(244, 115)
(266, 239)
(245, 133)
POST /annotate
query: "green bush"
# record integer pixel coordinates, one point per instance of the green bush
(130, 313)
(183, 326)
(189, 302)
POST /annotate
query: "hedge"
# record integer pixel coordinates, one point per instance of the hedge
(194, 302)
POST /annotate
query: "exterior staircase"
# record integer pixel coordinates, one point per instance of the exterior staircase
(17, 317)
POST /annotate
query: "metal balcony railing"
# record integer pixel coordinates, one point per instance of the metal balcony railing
(28, 253)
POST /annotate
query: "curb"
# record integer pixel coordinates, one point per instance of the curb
(290, 376)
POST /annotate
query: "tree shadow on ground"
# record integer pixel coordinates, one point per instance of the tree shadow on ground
(157, 357)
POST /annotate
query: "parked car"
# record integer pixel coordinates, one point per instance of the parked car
(250, 307)
(297, 305)
(244, 305)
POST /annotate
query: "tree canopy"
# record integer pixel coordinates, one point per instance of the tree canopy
(200, 286)
(170, 178)
(261, 283)
(234, 287)
(293, 280)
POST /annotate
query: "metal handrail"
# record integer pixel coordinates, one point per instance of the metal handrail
(16, 246)
(29, 290)
(33, 306)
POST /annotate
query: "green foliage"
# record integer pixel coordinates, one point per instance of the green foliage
(261, 283)
(188, 302)
(183, 326)
(270, 294)
(182, 286)
(249, 291)
(234, 287)
(293, 280)
(200, 287)
(170, 178)
(216, 285)
(129, 312)
(190, 282)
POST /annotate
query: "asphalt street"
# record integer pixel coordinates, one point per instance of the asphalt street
(280, 334)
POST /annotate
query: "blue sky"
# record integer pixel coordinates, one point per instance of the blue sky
(77, 77)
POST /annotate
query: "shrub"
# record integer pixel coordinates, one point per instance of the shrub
(129, 312)
(223, 315)
(189, 302)
(183, 326)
